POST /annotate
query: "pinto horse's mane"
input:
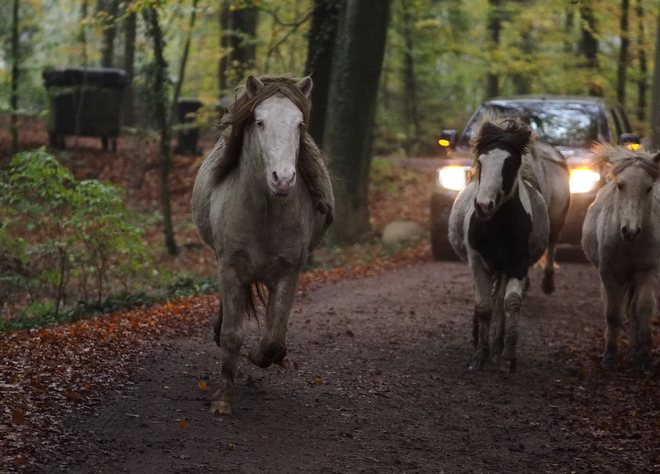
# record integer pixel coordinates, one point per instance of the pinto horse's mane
(494, 128)
(311, 162)
(618, 158)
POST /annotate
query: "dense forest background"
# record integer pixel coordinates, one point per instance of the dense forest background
(389, 76)
(442, 58)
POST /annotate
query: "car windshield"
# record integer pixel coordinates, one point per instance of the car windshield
(558, 123)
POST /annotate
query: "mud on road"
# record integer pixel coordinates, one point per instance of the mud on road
(375, 381)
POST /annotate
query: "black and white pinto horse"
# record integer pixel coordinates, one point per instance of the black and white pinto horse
(502, 223)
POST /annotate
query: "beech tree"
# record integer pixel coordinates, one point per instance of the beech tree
(357, 65)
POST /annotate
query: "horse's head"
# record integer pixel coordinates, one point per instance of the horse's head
(499, 147)
(275, 134)
(633, 174)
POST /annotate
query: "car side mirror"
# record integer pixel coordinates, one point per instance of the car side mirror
(448, 139)
(626, 138)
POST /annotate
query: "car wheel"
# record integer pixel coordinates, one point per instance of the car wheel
(440, 246)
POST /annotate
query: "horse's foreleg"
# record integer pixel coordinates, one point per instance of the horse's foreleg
(642, 311)
(483, 311)
(498, 303)
(230, 338)
(613, 294)
(512, 302)
(272, 347)
(548, 283)
(217, 327)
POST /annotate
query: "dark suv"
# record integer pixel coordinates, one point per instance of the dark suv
(572, 124)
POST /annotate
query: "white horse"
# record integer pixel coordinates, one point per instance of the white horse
(262, 200)
(500, 225)
(621, 237)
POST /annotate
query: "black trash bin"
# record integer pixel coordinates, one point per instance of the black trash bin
(84, 102)
(189, 132)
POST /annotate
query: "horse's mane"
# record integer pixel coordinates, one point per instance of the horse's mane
(311, 162)
(618, 158)
(493, 128)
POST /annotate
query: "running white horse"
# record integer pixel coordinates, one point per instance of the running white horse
(621, 237)
(500, 225)
(262, 200)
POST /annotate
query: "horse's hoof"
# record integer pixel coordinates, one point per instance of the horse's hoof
(608, 363)
(220, 407)
(257, 358)
(280, 357)
(548, 286)
(508, 366)
(477, 365)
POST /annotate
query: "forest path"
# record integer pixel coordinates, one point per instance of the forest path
(375, 381)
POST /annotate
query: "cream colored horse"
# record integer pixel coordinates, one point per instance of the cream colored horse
(262, 200)
(621, 237)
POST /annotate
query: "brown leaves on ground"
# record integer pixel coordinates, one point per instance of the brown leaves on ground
(46, 371)
(617, 412)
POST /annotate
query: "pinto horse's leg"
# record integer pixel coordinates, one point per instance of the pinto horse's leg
(272, 347)
(483, 311)
(512, 301)
(642, 311)
(614, 295)
(500, 320)
(548, 283)
(234, 296)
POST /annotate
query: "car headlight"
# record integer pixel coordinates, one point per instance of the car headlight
(583, 180)
(453, 177)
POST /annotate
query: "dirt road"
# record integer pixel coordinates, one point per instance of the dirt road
(375, 381)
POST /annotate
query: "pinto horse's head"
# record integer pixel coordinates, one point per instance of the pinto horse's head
(275, 133)
(498, 147)
(633, 172)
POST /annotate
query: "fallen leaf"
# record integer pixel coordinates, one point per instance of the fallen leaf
(184, 424)
(202, 385)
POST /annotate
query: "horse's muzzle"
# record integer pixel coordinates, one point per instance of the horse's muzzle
(281, 184)
(484, 210)
(630, 233)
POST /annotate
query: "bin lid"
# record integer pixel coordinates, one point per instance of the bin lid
(92, 76)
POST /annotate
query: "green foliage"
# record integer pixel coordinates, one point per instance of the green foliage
(61, 238)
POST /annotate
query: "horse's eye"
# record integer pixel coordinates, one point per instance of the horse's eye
(302, 124)
(260, 123)
(649, 190)
(620, 186)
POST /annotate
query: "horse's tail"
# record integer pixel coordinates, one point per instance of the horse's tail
(258, 291)
(629, 300)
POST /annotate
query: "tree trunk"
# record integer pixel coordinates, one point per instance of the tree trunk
(410, 82)
(589, 48)
(522, 82)
(655, 99)
(225, 52)
(109, 33)
(238, 30)
(622, 66)
(321, 45)
(642, 83)
(128, 104)
(159, 80)
(494, 29)
(182, 65)
(15, 58)
(357, 64)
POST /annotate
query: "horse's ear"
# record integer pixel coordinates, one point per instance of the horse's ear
(305, 85)
(253, 86)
